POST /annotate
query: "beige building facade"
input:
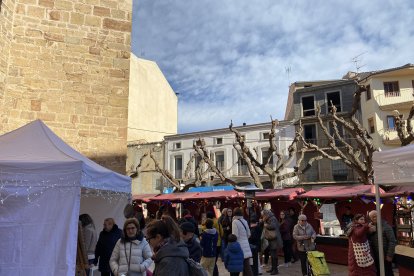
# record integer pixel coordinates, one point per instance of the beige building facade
(67, 63)
(152, 111)
(388, 90)
(152, 114)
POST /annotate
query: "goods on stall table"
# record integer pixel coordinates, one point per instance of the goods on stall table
(404, 225)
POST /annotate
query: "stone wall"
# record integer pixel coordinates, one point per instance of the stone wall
(66, 62)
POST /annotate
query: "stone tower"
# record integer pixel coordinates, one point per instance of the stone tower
(66, 62)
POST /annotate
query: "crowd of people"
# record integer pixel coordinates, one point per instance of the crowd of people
(168, 245)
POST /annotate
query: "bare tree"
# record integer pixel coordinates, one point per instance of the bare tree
(356, 151)
(199, 147)
(255, 167)
(201, 172)
(404, 127)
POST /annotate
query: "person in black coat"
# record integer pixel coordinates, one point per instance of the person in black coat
(106, 243)
(190, 239)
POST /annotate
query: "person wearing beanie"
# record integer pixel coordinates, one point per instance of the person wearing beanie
(305, 235)
(209, 244)
(190, 239)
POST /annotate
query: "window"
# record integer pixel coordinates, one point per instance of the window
(334, 98)
(177, 145)
(242, 166)
(390, 122)
(339, 170)
(341, 131)
(310, 133)
(265, 155)
(391, 89)
(371, 125)
(368, 92)
(219, 141)
(308, 106)
(312, 174)
(178, 166)
(265, 135)
(219, 156)
(198, 159)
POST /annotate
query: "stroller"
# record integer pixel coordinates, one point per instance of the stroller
(317, 265)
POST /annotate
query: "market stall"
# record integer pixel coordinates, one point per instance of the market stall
(396, 167)
(41, 183)
(360, 199)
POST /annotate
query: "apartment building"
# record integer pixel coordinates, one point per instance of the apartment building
(303, 99)
(219, 142)
(388, 90)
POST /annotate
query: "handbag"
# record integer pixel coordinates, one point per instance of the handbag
(362, 253)
(270, 235)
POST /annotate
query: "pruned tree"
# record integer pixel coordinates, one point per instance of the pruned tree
(250, 157)
(201, 172)
(200, 147)
(356, 151)
(404, 128)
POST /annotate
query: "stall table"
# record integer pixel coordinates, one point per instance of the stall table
(404, 257)
(335, 248)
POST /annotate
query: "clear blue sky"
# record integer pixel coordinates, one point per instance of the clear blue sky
(228, 59)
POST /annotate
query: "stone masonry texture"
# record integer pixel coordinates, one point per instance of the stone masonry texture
(66, 62)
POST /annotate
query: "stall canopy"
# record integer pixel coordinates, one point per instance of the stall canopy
(288, 194)
(341, 192)
(41, 179)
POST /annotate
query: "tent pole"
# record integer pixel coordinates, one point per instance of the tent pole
(379, 231)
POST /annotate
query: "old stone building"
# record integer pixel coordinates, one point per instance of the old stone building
(66, 62)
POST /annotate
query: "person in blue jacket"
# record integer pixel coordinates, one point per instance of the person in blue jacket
(233, 256)
(208, 243)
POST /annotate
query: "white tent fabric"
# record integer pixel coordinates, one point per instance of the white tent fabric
(395, 167)
(40, 187)
(392, 167)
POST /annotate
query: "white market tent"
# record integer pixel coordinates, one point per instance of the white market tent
(41, 179)
(392, 167)
(395, 167)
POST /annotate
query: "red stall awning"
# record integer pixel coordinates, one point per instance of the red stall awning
(334, 192)
(289, 194)
(218, 195)
(143, 197)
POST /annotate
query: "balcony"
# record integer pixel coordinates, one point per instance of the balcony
(402, 99)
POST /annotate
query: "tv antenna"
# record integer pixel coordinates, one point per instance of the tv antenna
(357, 61)
(288, 70)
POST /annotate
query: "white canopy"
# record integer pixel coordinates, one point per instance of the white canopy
(40, 187)
(394, 167)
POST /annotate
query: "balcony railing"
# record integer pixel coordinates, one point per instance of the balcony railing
(392, 94)
(404, 95)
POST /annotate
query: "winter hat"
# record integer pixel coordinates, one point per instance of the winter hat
(187, 227)
(302, 217)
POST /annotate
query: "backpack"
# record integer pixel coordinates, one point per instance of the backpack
(195, 269)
